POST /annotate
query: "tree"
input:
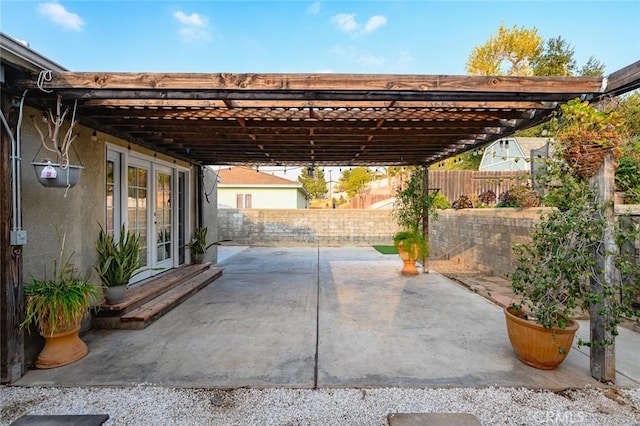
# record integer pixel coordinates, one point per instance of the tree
(593, 68)
(513, 47)
(556, 59)
(354, 181)
(312, 180)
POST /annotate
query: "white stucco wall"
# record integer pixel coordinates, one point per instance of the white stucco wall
(263, 198)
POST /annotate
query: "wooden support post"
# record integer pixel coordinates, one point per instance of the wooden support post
(425, 216)
(603, 359)
(11, 289)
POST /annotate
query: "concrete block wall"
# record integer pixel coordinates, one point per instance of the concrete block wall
(266, 227)
(480, 238)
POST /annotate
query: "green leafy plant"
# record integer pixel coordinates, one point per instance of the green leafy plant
(554, 272)
(198, 244)
(60, 302)
(409, 239)
(413, 202)
(586, 134)
(118, 261)
(628, 172)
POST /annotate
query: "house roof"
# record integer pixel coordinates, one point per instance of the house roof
(244, 176)
(302, 119)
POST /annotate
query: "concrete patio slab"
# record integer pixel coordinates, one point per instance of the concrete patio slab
(262, 325)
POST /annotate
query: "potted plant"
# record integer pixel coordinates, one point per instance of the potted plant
(586, 134)
(118, 261)
(554, 271)
(199, 246)
(57, 306)
(412, 203)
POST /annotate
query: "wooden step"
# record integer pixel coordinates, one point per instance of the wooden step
(151, 288)
(154, 309)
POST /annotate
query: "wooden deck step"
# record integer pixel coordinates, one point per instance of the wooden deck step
(153, 287)
(154, 309)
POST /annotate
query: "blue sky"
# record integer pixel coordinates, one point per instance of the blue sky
(404, 37)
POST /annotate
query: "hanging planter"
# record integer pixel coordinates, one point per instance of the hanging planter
(53, 175)
(586, 135)
(59, 173)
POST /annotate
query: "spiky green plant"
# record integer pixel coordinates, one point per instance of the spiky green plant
(60, 302)
(119, 260)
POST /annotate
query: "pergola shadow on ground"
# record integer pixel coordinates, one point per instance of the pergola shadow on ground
(314, 317)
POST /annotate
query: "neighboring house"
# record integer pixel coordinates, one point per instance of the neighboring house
(246, 188)
(510, 154)
(155, 195)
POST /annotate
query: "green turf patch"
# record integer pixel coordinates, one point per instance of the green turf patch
(386, 249)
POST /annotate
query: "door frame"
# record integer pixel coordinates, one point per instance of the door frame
(125, 158)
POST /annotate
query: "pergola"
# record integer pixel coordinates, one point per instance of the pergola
(315, 119)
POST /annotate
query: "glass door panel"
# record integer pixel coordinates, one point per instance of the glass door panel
(137, 210)
(163, 216)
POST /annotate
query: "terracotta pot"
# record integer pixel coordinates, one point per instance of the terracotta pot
(409, 256)
(197, 258)
(115, 295)
(61, 348)
(539, 347)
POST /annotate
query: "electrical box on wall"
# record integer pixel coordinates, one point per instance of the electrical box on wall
(18, 238)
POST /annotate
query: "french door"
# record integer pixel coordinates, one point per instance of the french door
(152, 199)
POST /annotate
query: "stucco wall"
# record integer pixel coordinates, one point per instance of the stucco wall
(263, 198)
(295, 226)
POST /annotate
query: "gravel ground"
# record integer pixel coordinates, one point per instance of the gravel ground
(148, 405)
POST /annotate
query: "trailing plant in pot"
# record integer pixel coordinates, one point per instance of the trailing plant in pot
(553, 272)
(586, 134)
(412, 203)
(118, 262)
(57, 306)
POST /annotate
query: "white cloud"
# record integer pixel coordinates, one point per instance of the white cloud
(314, 8)
(192, 27)
(345, 21)
(374, 23)
(58, 14)
(192, 20)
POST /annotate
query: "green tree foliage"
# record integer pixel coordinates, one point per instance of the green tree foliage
(593, 68)
(507, 53)
(355, 180)
(313, 182)
(630, 110)
(556, 59)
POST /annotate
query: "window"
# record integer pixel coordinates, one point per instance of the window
(243, 201)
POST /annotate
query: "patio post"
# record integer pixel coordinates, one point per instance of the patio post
(603, 358)
(11, 287)
(425, 216)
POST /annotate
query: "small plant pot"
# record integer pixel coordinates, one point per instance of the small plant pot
(115, 295)
(56, 176)
(197, 258)
(537, 346)
(61, 348)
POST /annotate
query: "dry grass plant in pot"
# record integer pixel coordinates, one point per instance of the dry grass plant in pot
(57, 306)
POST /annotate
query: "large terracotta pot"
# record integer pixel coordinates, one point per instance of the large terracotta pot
(539, 347)
(409, 256)
(61, 348)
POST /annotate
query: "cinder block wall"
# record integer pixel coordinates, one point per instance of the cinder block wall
(480, 238)
(268, 227)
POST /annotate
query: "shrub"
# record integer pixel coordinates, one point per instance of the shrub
(487, 197)
(464, 202)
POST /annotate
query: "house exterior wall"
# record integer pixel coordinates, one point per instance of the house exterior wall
(263, 198)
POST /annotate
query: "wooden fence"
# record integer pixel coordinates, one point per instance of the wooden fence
(454, 183)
